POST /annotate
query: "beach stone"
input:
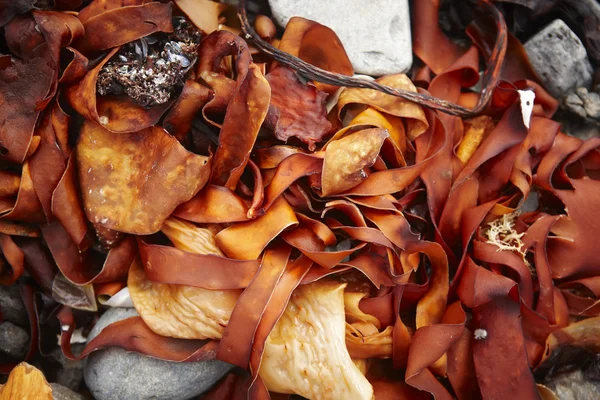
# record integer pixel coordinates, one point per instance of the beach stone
(591, 103)
(114, 374)
(59, 392)
(70, 372)
(559, 58)
(588, 12)
(574, 104)
(12, 306)
(583, 131)
(575, 386)
(375, 34)
(580, 114)
(14, 340)
(252, 6)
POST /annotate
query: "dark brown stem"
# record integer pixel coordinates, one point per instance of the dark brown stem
(490, 77)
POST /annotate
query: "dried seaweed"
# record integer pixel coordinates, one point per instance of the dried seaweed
(265, 179)
(490, 77)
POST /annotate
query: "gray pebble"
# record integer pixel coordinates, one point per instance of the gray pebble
(14, 340)
(531, 203)
(559, 58)
(582, 114)
(582, 130)
(574, 105)
(59, 392)
(70, 373)
(591, 104)
(575, 386)
(114, 374)
(12, 306)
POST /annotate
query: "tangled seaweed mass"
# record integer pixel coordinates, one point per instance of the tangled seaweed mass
(331, 236)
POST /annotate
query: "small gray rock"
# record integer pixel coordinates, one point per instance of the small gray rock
(581, 129)
(591, 103)
(574, 105)
(70, 373)
(575, 386)
(581, 117)
(253, 6)
(14, 340)
(12, 306)
(114, 374)
(531, 203)
(559, 58)
(59, 392)
(376, 33)
(588, 12)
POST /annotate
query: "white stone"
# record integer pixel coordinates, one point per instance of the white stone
(559, 58)
(375, 33)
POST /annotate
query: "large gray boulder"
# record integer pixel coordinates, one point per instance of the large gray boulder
(115, 374)
(375, 33)
(559, 58)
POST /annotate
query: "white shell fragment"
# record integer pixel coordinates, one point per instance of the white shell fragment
(120, 299)
(76, 337)
(480, 334)
(527, 98)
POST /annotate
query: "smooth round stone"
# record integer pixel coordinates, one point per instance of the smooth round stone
(14, 340)
(115, 374)
(60, 392)
(12, 306)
